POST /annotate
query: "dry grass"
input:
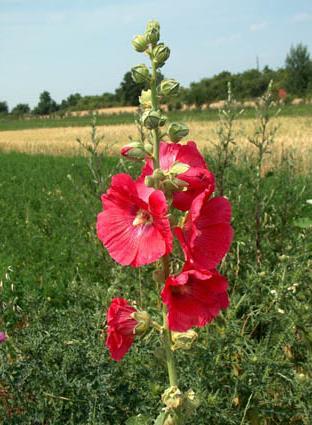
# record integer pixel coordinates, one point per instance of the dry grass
(294, 134)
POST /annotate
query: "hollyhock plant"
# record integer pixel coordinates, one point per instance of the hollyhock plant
(134, 226)
(197, 176)
(194, 298)
(207, 233)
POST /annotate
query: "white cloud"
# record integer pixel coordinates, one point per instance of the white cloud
(258, 26)
(302, 17)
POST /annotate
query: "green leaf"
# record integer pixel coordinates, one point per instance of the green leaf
(303, 223)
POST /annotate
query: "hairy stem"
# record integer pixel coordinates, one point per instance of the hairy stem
(165, 259)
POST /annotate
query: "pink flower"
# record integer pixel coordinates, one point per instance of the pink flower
(121, 328)
(207, 234)
(197, 176)
(134, 226)
(3, 337)
(194, 298)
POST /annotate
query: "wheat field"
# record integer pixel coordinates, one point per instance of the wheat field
(294, 134)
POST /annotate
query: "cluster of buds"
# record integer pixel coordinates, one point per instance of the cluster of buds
(152, 117)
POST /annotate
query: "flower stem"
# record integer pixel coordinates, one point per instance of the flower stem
(155, 107)
(167, 334)
(165, 259)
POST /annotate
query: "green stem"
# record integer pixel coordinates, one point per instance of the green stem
(165, 259)
(167, 334)
(155, 107)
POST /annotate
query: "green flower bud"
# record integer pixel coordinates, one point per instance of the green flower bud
(177, 130)
(144, 322)
(152, 36)
(160, 54)
(151, 25)
(169, 87)
(140, 74)
(146, 99)
(151, 119)
(140, 43)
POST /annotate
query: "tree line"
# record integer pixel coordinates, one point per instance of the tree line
(292, 80)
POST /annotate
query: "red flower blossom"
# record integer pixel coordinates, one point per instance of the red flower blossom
(121, 328)
(134, 226)
(194, 298)
(207, 234)
(197, 176)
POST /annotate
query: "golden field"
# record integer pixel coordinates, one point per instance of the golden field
(294, 134)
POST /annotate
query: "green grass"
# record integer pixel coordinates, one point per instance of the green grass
(54, 368)
(12, 123)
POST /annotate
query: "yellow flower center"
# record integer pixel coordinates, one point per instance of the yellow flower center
(142, 217)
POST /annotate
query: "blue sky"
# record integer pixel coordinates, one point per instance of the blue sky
(68, 46)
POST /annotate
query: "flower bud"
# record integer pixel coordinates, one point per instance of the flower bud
(144, 322)
(146, 99)
(151, 119)
(133, 151)
(140, 74)
(169, 87)
(152, 36)
(177, 131)
(140, 43)
(151, 25)
(160, 54)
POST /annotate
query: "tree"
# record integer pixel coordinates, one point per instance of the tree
(128, 92)
(21, 109)
(299, 69)
(4, 107)
(46, 104)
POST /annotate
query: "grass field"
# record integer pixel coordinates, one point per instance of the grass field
(8, 123)
(294, 134)
(254, 363)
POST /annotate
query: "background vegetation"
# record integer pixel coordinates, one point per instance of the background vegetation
(253, 364)
(294, 79)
